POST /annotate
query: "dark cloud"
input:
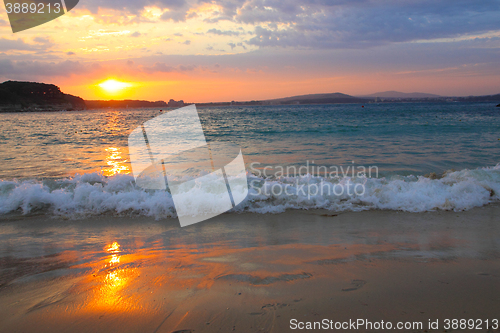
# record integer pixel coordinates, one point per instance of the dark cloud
(326, 23)
(160, 67)
(37, 69)
(19, 45)
(132, 6)
(187, 68)
(129, 11)
(175, 15)
(135, 34)
(42, 40)
(358, 23)
(223, 33)
(466, 58)
(395, 57)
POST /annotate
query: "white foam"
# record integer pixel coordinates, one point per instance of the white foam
(94, 194)
(85, 195)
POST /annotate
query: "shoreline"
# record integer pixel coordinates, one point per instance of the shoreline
(249, 272)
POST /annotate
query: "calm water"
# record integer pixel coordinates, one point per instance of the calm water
(397, 138)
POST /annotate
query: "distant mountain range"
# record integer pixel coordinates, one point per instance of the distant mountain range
(32, 96)
(381, 97)
(397, 94)
(317, 99)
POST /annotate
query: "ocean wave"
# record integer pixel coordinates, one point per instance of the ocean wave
(93, 194)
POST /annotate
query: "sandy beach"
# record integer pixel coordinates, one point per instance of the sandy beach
(255, 166)
(249, 272)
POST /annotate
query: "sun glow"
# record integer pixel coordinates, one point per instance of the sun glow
(113, 86)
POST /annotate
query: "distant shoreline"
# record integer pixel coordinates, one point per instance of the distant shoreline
(16, 96)
(227, 104)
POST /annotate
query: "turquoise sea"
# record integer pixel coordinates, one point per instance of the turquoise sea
(76, 163)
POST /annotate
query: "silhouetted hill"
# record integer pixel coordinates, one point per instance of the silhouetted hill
(318, 99)
(33, 96)
(394, 96)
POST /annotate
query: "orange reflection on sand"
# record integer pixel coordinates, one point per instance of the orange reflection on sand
(111, 282)
(143, 280)
(109, 294)
(115, 161)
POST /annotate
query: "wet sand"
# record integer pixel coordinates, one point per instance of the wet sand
(248, 272)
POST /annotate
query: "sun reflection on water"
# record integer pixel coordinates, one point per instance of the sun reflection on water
(116, 162)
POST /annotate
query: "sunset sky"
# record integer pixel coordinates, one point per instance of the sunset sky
(202, 51)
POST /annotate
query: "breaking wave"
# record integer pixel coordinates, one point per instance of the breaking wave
(94, 194)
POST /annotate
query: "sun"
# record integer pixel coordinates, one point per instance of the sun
(113, 86)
